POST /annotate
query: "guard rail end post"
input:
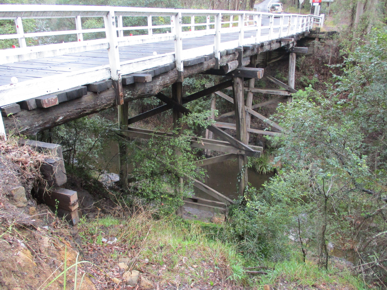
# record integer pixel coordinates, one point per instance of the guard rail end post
(218, 24)
(179, 46)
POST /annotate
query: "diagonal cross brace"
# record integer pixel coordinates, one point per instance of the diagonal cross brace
(220, 133)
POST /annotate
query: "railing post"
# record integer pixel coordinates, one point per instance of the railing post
(179, 46)
(281, 25)
(231, 21)
(78, 27)
(271, 29)
(120, 26)
(2, 129)
(241, 25)
(150, 31)
(218, 25)
(257, 21)
(114, 57)
(208, 22)
(20, 32)
(289, 25)
(193, 23)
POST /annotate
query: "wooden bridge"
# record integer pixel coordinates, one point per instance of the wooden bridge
(52, 76)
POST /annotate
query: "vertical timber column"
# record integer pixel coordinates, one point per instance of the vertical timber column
(20, 32)
(292, 71)
(122, 148)
(209, 134)
(249, 100)
(218, 26)
(177, 96)
(241, 131)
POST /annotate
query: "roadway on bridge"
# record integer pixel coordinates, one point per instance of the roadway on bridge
(44, 67)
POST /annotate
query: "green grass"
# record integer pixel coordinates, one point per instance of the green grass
(295, 272)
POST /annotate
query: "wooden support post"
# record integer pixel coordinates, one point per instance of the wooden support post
(241, 132)
(249, 100)
(292, 70)
(122, 147)
(209, 134)
(177, 96)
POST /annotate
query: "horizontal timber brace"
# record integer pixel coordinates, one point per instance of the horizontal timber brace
(255, 131)
(196, 142)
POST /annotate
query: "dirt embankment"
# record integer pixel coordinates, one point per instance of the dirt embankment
(35, 245)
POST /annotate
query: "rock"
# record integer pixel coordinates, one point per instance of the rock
(17, 196)
(124, 260)
(32, 210)
(117, 281)
(131, 277)
(146, 284)
(123, 266)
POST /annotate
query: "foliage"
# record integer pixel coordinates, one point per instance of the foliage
(262, 163)
(160, 164)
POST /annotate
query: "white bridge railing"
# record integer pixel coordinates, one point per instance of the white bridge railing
(117, 27)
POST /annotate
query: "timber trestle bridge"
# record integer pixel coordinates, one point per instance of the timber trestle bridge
(51, 76)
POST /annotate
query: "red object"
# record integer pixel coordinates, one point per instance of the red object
(316, 1)
(79, 40)
(13, 46)
(131, 34)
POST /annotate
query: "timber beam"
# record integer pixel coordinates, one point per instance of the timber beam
(228, 67)
(248, 72)
(299, 50)
(250, 130)
(269, 91)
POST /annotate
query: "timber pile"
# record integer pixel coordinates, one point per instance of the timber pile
(62, 201)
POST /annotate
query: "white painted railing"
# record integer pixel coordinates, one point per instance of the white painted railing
(177, 24)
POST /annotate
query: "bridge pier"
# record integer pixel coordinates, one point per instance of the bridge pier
(122, 146)
(241, 131)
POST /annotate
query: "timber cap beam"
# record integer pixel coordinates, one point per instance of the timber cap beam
(248, 72)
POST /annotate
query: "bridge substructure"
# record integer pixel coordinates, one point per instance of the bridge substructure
(48, 85)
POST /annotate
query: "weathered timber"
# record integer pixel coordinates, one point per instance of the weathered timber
(216, 159)
(142, 78)
(202, 143)
(268, 91)
(53, 171)
(185, 100)
(53, 200)
(263, 118)
(62, 195)
(28, 104)
(281, 84)
(31, 122)
(223, 135)
(241, 132)
(47, 101)
(204, 206)
(206, 201)
(71, 216)
(299, 50)
(292, 70)
(249, 99)
(224, 96)
(177, 96)
(10, 109)
(127, 80)
(256, 131)
(72, 94)
(212, 192)
(53, 149)
(99, 87)
(228, 67)
(209, 134)
(122, 146)
(232, 113)
(248, 72)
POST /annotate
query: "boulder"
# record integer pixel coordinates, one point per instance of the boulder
(131, 277)
(17, 196)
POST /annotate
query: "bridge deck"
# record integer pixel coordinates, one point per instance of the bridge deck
(50, 66)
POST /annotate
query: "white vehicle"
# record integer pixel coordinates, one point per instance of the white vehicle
(276, 8)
